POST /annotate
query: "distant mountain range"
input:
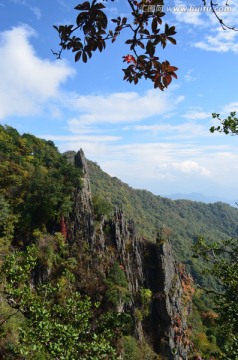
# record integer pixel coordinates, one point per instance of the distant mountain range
(201, 198)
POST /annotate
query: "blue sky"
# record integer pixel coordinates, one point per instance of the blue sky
(152, 140)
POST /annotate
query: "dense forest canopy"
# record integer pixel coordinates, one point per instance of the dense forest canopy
(36, 182)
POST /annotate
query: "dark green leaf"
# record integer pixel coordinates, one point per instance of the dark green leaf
(84, 6)
(172, 40)
(154, 25)
(84, 57)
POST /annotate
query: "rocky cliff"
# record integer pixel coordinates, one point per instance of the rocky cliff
(149, 266)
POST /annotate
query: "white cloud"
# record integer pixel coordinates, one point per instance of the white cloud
(215, 38)
(191, 167)
(227, 12)
(83, 138)
(189, 77)
(184, 14)
(120, 107)
(233, 106)
(27, 81)
(117, 108)
(179, 99)
(186, 130)
(197, 115)
(36, 10)
(219, 41)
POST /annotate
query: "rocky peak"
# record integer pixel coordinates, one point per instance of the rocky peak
(86, 194)
(146, 265)
(80, 222)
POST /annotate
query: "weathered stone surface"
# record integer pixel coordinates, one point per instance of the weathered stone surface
(80, 223)
(167, 316)
(148, 265)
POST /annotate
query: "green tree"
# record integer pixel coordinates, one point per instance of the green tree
(117, 286)
(222, 260)
(60, 323)
(7, 225)
(36, 183)
(101, 206)
(228, 125)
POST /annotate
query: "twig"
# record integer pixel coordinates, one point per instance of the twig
(223, 25)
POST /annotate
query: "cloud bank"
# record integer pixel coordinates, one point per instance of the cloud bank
(27, 81)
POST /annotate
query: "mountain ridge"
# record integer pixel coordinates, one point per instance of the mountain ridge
(184, 220)
(199, 197)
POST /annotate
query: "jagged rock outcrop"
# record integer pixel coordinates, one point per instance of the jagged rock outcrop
(129, 250)
(146, 265)
(152, 266)
(80, 222)
(169, 308)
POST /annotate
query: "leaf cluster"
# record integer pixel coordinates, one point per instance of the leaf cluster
(229, 125)
(91, 34)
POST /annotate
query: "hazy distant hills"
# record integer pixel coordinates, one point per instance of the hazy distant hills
(201, 198)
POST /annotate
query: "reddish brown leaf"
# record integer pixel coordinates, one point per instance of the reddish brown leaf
(174, 75)
(172, 68)
(167, 80)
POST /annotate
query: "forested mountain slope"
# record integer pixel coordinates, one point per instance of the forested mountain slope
(86, 265)
(182, 220)
(75, 283)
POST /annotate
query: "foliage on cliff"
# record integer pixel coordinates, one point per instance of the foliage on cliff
(182, 221)
(222, 263)
(185, 219)
(42, 313)
(53, 304)
(36, 184)
(58, 321)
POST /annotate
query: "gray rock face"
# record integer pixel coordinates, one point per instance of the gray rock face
(128, 248)
(146, 265)
(80, 224)
(168, 309)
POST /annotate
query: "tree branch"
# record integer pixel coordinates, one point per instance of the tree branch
(223, 25)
